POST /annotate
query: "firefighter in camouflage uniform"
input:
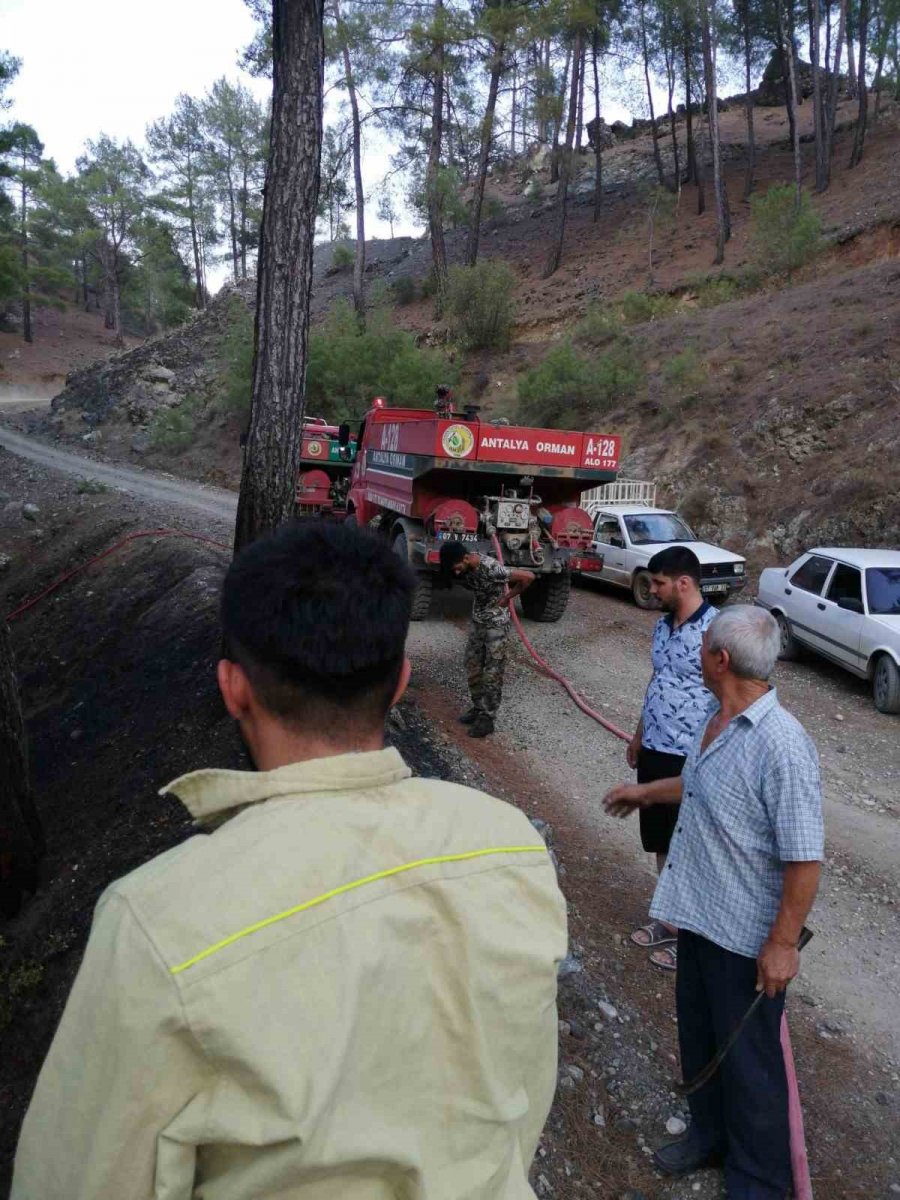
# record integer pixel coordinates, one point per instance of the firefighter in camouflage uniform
(495, 587)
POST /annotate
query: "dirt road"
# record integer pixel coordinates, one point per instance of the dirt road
(618, 1050)
(144, 485)
(557, 764)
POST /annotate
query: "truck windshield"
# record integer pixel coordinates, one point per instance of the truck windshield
(883, 590)
(646, 528)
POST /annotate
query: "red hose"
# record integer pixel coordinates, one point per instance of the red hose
(131, 537)
(548, 670)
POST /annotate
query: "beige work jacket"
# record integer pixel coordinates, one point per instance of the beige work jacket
(347, 991)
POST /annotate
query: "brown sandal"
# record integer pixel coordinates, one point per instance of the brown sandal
(665, 959)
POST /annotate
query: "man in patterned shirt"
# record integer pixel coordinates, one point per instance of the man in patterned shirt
(740, 880)
(675, 706)
(488, 641)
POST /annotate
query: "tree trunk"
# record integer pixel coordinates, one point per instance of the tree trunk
(21, 832)
(833, 89)
(245, 204)
(115, 291)
(751, 133)
(554, 160)
(487, 136)
(285, 271)
(669, 51)
(26, 280)
(881, 38)
(851, 57)
(565, 167)
(598, 149)
(792, 81)
(579, 120)
(863, 91)
(432, 175)
(198, 258)
(723, 221)
(514, 109)
(657, 157)
(818, 104)
(359, 262)
(694, 174)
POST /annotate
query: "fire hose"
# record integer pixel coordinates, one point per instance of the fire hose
(547, 670)
(131, 537)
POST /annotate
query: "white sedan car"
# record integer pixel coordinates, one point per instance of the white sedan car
(628, 535)
(844, 605)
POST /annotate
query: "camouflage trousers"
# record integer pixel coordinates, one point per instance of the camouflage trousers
(486, 652)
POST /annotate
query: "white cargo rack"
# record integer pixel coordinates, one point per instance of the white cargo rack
(622, 491)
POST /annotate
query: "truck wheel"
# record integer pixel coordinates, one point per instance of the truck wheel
(886, 685)
(789, 649)
(547, 598)
(640, 589)
(421, 602)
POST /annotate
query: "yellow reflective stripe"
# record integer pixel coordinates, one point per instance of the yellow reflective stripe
(349, 887)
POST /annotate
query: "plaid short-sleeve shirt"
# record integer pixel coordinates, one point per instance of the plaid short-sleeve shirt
(751, 803)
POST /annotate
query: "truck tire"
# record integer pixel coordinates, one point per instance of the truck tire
(789, 651)
(547, 598)
(640, 589)
(421, 602)
(886, 685)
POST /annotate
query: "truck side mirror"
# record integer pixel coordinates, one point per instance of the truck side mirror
(343, 434)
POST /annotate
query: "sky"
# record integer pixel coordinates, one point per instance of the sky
(112, 66)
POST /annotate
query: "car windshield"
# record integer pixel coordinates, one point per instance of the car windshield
(646, 528)
(883, 590)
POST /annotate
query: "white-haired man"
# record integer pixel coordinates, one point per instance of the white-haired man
(741, 877)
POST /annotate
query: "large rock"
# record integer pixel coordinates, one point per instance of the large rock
(773, 87)
(599, 131)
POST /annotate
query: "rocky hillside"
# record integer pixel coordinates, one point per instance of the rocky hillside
(764, 411)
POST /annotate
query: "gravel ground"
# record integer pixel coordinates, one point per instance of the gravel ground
(557, 764)
(617, 1034)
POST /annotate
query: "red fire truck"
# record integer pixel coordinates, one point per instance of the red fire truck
(421, 477)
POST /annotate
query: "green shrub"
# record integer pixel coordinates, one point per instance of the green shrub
(404, 290)
(349, 366)
(784, 235)
(236, 361)
(342, 256)
(638, 307)
(685, 374)
(480, 306)
(90, 487)
(174, 429)
(566, 387)
(598, 326)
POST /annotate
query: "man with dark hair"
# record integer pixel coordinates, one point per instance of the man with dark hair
(675, 706)
(495, 587)
(344, 987)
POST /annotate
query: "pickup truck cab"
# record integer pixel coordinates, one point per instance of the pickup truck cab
(628, 535)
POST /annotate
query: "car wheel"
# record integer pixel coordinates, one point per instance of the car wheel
(886, 685)
(642, 592)
(789, 648)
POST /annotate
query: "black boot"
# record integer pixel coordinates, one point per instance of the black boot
(688, 1154)
(469, 717)
(482, 726)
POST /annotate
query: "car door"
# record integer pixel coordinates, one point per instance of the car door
(609, 539)
(842, 628)
(802, 601)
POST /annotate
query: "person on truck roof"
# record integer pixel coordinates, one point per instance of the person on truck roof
(495, 587)
(345, 984)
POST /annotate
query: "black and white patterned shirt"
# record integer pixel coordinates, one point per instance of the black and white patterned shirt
(488, 581)
(677, 700)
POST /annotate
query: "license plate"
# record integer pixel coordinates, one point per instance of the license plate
(457, 537)
(714, 587)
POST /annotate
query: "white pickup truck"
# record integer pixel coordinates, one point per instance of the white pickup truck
(628, 535)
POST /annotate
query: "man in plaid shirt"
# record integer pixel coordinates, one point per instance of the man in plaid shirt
(741, 877)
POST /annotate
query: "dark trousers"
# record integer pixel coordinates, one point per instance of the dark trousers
(743, 1110)
(658, 821)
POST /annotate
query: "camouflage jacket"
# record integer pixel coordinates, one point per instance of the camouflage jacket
(488, 581)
